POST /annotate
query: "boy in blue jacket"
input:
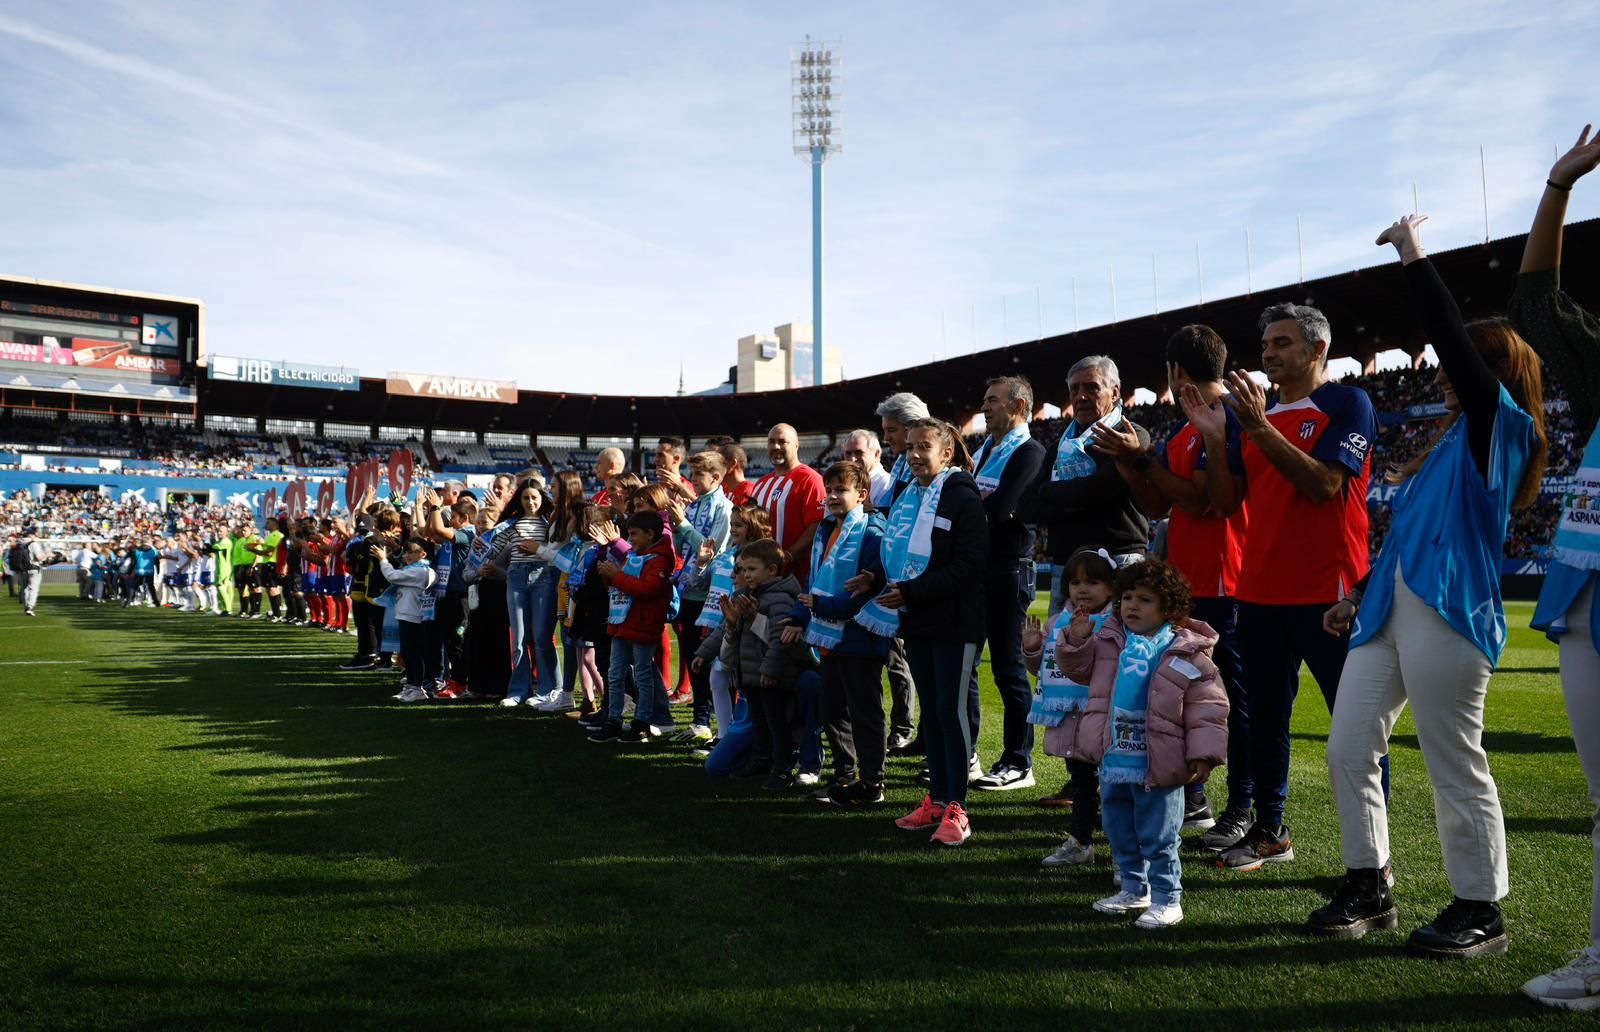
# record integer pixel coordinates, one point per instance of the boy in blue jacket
(847, 544)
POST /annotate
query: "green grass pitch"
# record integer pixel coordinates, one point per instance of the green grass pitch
(203, 824)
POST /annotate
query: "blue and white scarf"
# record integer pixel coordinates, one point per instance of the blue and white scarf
(991, 459)
(1058, 694)
(907, 548)
(1127, 760)
(721, 587)
(441, 568)
(568, 554)
(1578, 534)
(1072, 455)
(900, 475)
(480, 550)
(578, 576)
(829, 573)
(621, 601)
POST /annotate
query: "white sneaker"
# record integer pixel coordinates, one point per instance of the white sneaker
(412, 693)
(975, 771)
(807, 778)
(1161, 915)
(1123, 902)
(509, 702)
(559, 703)
(1069, 853)
(1003, 778)
(1575, 987)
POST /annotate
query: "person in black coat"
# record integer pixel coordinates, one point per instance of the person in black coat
(941, 613)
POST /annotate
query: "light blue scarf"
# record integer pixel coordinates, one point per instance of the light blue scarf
(1578, 534)
(1127, 760)
(568, 555)
(721, 586)
(621, 601)
(829, 573)
(991, 459)
(1059, 694)
(581, 568)
(1072, 455)
(907, 548)
(480, 550)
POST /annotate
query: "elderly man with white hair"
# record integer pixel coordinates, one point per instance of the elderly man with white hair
(862, 446)
(607, 465)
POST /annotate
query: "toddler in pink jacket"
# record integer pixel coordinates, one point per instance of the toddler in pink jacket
(1157, 720)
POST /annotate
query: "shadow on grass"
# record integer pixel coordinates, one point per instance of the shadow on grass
(607, 886)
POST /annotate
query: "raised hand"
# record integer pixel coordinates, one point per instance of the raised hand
(607, 569)
(1248, 400)
(603, 533)
(1577, 162)
(675, 510)
(1406, 237)
(1032, 635)
(1117, 442)
(1209, 420)
(707, 552)
(1081, 626)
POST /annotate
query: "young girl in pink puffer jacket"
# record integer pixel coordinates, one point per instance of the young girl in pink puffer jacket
(1157, 720)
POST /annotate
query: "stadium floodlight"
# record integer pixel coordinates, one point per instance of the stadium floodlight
(817, 127)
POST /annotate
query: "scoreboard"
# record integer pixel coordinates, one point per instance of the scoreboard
(92, 341)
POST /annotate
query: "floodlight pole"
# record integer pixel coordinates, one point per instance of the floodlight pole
(818, 156)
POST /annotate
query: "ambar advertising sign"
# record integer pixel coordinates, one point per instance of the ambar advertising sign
(282, 374)
(100, 354)
(454, 388)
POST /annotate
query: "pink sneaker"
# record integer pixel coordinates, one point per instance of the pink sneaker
(927, 815)
(954, 828)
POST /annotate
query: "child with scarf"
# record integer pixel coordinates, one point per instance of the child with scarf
(1157, 719)
(731, 750)
(583, 609)
(935, 546)
(847, 544)
(410, 594)
(702, 522)
(641, 590)
(1060, 702)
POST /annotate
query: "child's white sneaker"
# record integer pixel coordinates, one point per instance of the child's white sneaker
(1574, 986)
(560, 702)
(1123, 902)
(1070, 853)
(1161, 915)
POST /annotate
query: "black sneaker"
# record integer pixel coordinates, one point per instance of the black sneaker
(859, 793)
(606, 733)
(639, 734)
(385, 663)
(1361, 902)
(907, 745)
(778, 781)
(839, 782)
(925, 775)
(706, 748)
(1465, 928)
(752, 769)
(1260, 846)
(359, 663)
(593, 720)
(1197, 817)
(1227, 830)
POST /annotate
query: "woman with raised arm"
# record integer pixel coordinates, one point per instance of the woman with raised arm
(1568, 339)
(1429, 627)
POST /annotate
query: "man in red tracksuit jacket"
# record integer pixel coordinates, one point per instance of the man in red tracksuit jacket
(641, 595)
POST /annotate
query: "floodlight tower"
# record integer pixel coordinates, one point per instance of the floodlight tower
(814, 78)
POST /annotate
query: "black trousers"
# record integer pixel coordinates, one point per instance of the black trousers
(489, 641)
(902, 692)
(852, 712)
(368, 617)
(414, 649)
(1008, 594)
(445, 637)
(1085, 785)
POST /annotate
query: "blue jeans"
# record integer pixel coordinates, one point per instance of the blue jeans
(531, 605)
(1142, 826)
(808, 703)
(638, 659)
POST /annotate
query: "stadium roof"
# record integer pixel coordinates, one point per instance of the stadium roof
(1368, 308)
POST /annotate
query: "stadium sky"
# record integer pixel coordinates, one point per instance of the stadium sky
(582, 197)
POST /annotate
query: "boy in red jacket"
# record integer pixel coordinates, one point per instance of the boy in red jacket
(641, 591)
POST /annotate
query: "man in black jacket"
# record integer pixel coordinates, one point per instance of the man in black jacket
(1006, 467)
(1079, 497)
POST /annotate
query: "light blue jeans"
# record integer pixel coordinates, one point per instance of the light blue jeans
(1142, 826)
(531, 605)
(636, 659)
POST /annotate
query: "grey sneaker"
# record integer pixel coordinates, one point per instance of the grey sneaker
(1228, 831)
(1070, 853)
